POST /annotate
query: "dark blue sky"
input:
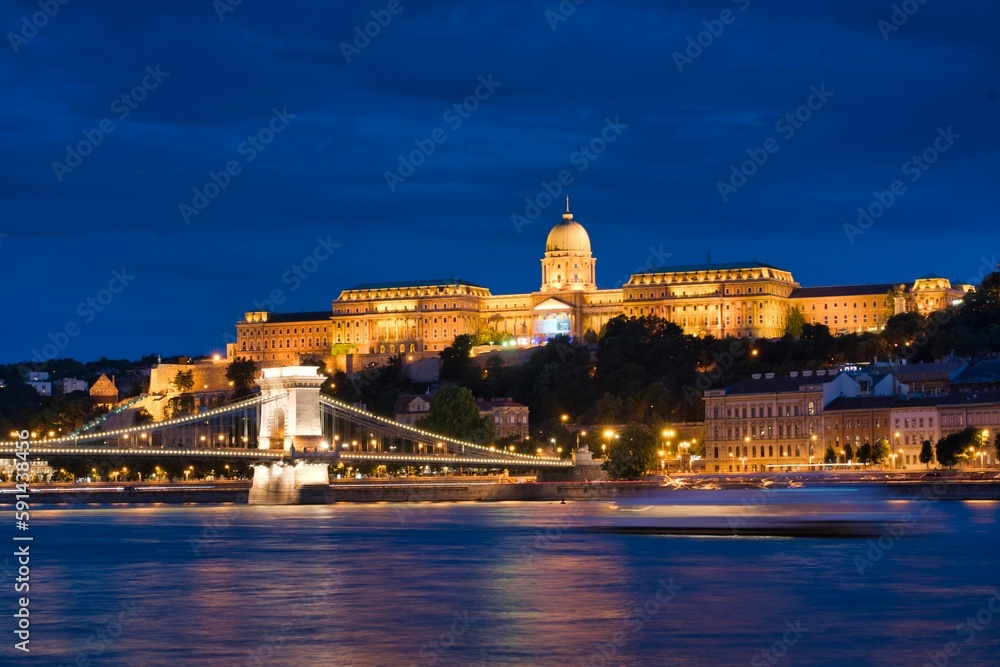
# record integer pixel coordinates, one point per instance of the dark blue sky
(648, 193)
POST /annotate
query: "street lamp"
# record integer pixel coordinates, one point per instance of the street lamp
(578, 434)
(668, 434)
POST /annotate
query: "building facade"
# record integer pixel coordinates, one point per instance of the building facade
(371, 322)
(509, 417)
(767, 422)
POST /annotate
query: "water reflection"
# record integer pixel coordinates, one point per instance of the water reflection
(496, 584)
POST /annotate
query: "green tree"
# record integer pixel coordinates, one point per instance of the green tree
(454, 413)
(996, 444)
(880, 451)
(184, 403)
(241, 372)
(865, 453)
(952, 449)
(456, 359)
(490, 336)
(926, 453)
(633, 454)
(848, 453)
(183, 381)
(795, 322)
(609, 409)
(830, 456)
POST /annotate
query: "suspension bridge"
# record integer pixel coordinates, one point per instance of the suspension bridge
(291, 433)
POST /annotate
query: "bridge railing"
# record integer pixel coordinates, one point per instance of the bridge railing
(427, 436)
(153, 426)
(117, 410)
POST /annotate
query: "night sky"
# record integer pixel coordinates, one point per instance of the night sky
(637, 105)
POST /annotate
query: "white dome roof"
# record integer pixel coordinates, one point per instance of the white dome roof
(568, 235)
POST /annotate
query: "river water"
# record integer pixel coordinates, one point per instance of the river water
(499, 584)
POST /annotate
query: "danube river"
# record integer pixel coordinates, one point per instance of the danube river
(499, 584)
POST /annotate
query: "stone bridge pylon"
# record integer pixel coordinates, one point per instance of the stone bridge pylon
(290, 422)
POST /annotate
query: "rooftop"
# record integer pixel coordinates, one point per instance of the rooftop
(779, 384)
(862, 403)
(983, 371)
(730, 266)
(842, 290)
(435, 282)
(313, 315)
(489, 404)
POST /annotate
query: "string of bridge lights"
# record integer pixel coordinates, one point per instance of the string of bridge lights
(334, 402)
(104, 417)
(360, 456)
(215, 412)
(143, 428)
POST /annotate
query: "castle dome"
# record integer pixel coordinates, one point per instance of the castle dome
(568, 235)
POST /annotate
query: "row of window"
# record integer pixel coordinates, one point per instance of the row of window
(789, 410)
(357, 309)
(382, 324)
(864, 304)
(361, 337)
(751, 452)
(276, 332)
(280, 344)
(762, 430)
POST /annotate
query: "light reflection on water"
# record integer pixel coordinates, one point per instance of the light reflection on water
(493, 584)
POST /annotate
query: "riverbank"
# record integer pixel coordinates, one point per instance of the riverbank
(482, 490)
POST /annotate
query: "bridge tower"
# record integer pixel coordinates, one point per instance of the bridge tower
(290, 421)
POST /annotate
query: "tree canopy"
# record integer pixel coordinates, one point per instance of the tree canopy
(952, 449)
(454, 413)
(632, 454)
(242, 373)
